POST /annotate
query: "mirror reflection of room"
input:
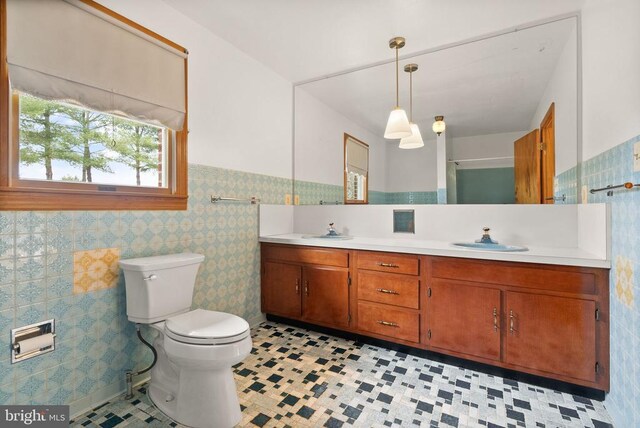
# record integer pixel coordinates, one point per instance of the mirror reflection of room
(509, 103)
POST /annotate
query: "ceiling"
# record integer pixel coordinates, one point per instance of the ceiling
(304, 39)
(486, 87)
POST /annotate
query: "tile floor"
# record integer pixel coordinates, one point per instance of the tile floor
(299, 378)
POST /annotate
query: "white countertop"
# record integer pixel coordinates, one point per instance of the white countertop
(547, 255)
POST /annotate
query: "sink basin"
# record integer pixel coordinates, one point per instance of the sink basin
(489, 247)
(331, 237)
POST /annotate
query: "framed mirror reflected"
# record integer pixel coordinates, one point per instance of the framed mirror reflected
(510, 102)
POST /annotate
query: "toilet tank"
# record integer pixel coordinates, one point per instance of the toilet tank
(159, 287)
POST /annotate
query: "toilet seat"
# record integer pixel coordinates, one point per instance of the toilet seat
(202, 327)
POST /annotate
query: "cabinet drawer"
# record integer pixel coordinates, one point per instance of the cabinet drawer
(394, 323)
(386, 262)
(399, 290)
(539, 277)
(314, 256)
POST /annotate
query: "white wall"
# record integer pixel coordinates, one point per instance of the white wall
(411, 170)
(562, 90)
(485, 146)
(319, 139)
(611, 67)
(240, 111)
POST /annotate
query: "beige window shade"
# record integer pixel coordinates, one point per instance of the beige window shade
(68, 51)
(357, 157)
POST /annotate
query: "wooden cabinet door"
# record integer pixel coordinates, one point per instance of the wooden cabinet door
(464, 318)
(326, 296)
(281, 289)
(552, 334)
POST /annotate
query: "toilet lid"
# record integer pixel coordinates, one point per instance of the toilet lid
(206, 327)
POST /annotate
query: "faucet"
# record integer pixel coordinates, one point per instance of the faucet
(486, 238)
(331, 231)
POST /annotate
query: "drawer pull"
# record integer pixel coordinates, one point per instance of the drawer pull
(511, 322)
(387, 323)
(385, 291)
(390, 265)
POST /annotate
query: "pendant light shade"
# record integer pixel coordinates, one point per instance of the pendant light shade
(398, 123)
(439, 126)
(414, 141)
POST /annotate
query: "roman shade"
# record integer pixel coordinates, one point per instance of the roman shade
(66, 50)
(357, 157)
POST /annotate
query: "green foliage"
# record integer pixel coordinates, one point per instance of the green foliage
(91, 141)
(42, 137)
(137, 146)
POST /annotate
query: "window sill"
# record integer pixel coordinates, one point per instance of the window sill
(27, 199)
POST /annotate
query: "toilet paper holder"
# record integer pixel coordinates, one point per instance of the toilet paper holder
(32, 340)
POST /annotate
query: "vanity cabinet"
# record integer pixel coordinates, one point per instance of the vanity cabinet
(543, 319)
(388, 295)
(547, 320)
(464, 318)
(306, 283)
(551, 334)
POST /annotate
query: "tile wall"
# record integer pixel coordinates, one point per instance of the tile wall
(311, 193)
(615, 166)
(61, 264)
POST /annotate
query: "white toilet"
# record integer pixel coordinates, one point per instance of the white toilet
(192, 381)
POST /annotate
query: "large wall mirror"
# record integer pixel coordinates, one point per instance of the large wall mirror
(510, 104)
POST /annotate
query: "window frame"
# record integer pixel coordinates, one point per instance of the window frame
(24, 194)
(346, 173)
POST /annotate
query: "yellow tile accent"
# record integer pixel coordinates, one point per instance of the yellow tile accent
(95, 269)
(624, 281)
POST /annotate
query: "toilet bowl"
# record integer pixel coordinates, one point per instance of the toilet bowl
(192, 381)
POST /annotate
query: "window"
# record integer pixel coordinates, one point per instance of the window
(103, 128)
(356, 171)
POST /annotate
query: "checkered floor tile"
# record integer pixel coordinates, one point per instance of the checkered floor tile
(299, 378)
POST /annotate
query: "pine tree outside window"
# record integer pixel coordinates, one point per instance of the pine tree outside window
(68, 144)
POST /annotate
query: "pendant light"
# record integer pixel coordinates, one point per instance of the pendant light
(439, 126)
(414, 141)
(398, 124)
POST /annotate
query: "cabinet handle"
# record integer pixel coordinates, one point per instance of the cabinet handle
(384, 290)
(298, 286)
(391, 265)
(387, 323)
(511, 322)
(306, 288)
(495, 319)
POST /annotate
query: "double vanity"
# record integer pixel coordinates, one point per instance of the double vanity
(543, 312)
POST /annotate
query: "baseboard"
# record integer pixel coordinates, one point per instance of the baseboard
(86, 404)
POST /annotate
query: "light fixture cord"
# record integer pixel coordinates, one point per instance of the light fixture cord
(397, 81)
(411, 96)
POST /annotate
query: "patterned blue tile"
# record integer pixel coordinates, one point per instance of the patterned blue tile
(30, 222)
(7, 222)
(30, 314)
(7, 246)
(85, 220)
(7, 297)
(59, 242)
(29, 268)
(30, 292)
(59, 221)
(28, 245)
(31, 390)
(7, 271)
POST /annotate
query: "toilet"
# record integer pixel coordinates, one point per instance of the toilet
(192, 381)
